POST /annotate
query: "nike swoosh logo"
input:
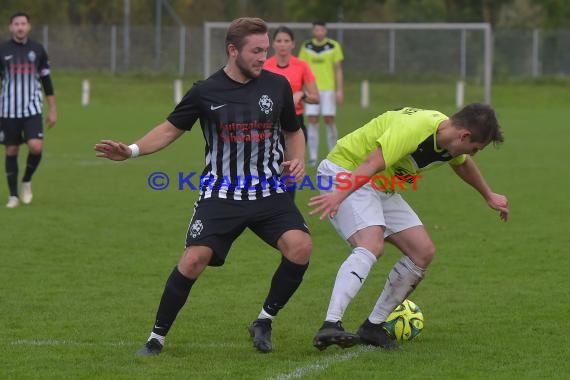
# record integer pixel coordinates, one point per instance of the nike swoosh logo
(7, 57)
(213, 107)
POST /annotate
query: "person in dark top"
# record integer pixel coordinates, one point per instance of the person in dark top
(24, 69)
(243, 111)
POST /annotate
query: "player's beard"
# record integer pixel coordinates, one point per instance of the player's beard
(20, 35)
(246, 71)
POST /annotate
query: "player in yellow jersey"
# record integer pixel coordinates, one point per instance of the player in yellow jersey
(400, 143)
(325, 57)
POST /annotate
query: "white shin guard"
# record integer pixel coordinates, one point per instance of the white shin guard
(349, 280)
(401, 282)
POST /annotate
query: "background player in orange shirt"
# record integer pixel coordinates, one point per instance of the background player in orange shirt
(298, 73)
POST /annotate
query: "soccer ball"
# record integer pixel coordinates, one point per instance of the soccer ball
(406, 321)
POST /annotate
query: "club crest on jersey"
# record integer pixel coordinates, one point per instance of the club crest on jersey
(32, 56)
(266, 104)
(196, 228)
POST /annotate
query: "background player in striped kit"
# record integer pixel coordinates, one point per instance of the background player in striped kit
(24, 68)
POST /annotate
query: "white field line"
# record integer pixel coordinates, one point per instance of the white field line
(321, 365)
(302, 371)
(53, 343)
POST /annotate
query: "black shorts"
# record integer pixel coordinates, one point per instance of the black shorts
(217, 223)
(19, 131)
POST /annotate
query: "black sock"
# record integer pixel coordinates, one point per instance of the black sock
(285, 282)
(12, 174)
(173, 298)
(31, 166)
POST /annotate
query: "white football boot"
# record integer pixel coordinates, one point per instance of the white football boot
(26, 193)
(13, 202)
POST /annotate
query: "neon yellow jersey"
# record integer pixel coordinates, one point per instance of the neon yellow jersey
(408, 141)
(322, 58)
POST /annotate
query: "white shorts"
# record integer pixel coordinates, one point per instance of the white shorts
(326, 106)
(366, 207)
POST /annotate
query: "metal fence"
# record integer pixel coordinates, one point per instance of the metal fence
(179, 51)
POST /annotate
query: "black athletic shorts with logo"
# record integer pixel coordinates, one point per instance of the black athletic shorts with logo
(19, 131)
(216, 223)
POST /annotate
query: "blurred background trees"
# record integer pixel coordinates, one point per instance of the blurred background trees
(546, 14)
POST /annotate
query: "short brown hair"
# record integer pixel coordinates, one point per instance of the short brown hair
(240, 28)
(480, 120)
(19, 14)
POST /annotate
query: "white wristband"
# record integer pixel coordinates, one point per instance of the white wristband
(134, 150)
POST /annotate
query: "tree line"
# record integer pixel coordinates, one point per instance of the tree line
(545, 14)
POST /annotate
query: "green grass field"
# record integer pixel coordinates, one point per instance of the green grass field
(84, 265)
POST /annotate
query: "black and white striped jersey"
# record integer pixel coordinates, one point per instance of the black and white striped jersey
(242, 125)
(21, 67)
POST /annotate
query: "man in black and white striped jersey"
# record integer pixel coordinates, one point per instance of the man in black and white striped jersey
(243, 111)
(24, 69)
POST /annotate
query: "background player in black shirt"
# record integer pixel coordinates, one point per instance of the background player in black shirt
(243, 112)
(24, 69)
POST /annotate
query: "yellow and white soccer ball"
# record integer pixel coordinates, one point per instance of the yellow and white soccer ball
(406, 321)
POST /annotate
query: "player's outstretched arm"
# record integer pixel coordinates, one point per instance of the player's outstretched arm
(469, 172)
(158, 138)
(327, 204)
(113, 150)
